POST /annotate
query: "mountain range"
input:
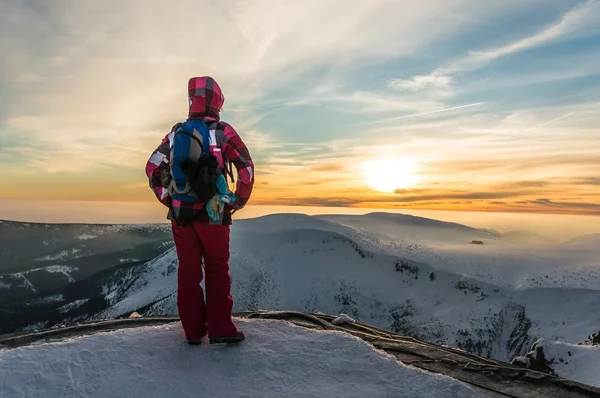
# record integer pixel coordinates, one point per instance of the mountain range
(482, 291)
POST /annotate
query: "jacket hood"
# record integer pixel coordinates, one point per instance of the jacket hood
(205, 97)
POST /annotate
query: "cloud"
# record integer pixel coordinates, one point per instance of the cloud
(551, 121)
(362, 101)
(589, 208)
(90, 88)
(312, 201)
(479, 202)
(588, 181)
(579, 21)
(439, 85)
(512, 164)
(449, 196)
(528, 184)
(327, 167)
(86, 73)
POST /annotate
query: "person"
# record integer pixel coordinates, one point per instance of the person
(200, 235)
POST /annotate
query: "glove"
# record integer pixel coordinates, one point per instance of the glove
(214, 208)
(216, 204)
(228, 198)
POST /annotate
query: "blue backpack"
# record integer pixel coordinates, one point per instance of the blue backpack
(202, 174)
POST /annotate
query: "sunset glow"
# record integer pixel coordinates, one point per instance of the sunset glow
(466, 105)
(387, 175)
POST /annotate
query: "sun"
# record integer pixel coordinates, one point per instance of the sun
(389, 174)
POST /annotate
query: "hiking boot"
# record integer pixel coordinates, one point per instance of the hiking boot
(227, 339)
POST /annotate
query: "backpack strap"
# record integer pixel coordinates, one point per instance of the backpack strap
(228, 170)
(205, 144)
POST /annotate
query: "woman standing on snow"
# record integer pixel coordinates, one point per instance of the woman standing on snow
(202, 236)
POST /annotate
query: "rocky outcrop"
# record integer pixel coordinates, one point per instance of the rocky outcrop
(535, 359)
(503, 336)
(593, 339)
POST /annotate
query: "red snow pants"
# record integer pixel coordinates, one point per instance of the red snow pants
(199, 244)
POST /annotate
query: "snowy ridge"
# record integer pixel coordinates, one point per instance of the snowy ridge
(60, 256)
(54, 256)
(526, 237)
(582, 276)
(72, 305)
(156, 362)
(20, 279)
(141, 286)
(586, 240)
(26, 283)
(62, 269)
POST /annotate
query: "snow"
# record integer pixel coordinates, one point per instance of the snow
(128, 260)
(60, 256)
(343, 318)
(53, 269)
(156, 281)
(47, 300)
(277, 359)
(33, 326)
(61, 269)
(86, 237)
(353, 266)
(571, 361)
(446, 246)
(494, 299)
(72, 305)
(26, 282)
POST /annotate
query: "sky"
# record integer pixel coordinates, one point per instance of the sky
(432, 104)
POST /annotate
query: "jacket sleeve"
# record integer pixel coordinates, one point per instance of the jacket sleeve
(236, 152)
(157, 167)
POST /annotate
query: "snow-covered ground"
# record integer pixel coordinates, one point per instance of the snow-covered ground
(478, 290)
(276, 360)
(413, 276)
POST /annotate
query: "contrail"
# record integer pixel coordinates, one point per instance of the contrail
(429, 113)
(551, 121)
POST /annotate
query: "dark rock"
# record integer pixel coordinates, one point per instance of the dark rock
(535, 360)
(403, 266)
